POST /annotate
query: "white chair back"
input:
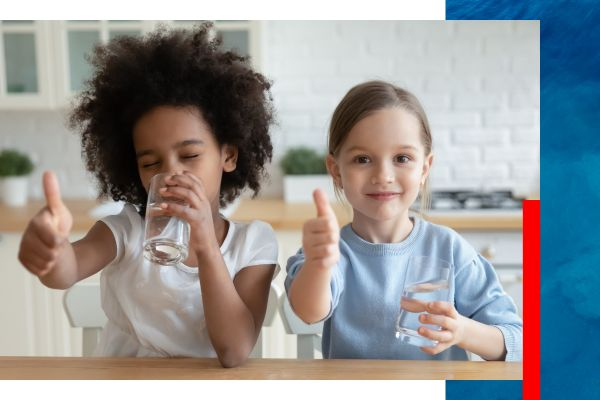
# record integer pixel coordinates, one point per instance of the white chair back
(82, 306)
(308, 335)
(272, 305)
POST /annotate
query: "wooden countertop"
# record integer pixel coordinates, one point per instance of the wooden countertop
(209, 368)
(15, 219)
(281, 215)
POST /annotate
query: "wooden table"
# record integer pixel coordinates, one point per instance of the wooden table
(199, 368)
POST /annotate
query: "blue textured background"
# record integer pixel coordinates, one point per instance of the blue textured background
(570, 193)
(483, 390)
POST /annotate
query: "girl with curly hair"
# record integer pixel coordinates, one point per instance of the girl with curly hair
(172, 102)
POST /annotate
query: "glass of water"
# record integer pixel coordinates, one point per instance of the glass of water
(166, 237)
(427, 279)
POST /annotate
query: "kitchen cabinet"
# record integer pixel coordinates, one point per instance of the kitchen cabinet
(43, 63)
(75, 40)
(240, 36)
(33, 321)
(25, 73)
(504, 249)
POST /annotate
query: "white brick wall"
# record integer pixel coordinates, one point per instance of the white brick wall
(44, 136)
(478, 82)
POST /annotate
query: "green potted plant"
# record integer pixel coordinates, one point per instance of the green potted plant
(304, 170)
(15, 168)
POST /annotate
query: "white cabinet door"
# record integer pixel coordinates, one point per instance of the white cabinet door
(504, 249)
(512, 282)
(25, 65)
(43, 63)
(32, 316)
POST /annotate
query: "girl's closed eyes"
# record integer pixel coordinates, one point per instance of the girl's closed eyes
(151, 162)
(156, 163)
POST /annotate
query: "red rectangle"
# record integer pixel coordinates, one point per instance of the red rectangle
(531, 300)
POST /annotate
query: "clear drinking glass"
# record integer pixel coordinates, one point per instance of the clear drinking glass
(166, 237)
(427, 279)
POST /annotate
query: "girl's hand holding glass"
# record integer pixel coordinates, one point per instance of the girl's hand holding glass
(196, 210)
(321, 235)
(452, 324)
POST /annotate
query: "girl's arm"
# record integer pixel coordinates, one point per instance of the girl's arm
(45, 249)
(484, 340)
(234, 310)
(310, 291)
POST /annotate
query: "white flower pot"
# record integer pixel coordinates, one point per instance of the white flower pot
(13, 190)
(299, 188)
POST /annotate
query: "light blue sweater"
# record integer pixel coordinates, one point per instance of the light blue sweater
(367, 284)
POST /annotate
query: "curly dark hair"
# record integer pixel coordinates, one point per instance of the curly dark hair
(175, 68)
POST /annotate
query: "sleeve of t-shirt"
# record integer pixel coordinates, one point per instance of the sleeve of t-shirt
(121, 226)
(263, 247)
(479, 296)
(295, 263)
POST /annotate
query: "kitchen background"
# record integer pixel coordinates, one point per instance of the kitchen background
(478, 82)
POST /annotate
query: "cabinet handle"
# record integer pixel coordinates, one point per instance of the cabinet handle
(488, 252)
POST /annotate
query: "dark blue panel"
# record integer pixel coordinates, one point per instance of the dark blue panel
(484, 390)
(570, 186)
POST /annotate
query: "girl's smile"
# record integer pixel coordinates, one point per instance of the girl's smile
(383, 196)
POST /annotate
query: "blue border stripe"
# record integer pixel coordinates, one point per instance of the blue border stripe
(570, 183)
(484, 390)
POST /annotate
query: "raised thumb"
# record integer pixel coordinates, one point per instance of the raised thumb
(322, 203)
(52, 192)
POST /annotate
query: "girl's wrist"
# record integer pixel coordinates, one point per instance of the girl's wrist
(208, 253)
(463, 341)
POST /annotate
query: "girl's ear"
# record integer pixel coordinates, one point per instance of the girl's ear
(334, 170)
(426, 167)
(230, 154)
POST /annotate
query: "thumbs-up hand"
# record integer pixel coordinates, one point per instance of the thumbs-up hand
(321, 235)
(47, 232)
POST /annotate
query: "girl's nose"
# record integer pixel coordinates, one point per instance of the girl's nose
(172, 167)
(383, 175)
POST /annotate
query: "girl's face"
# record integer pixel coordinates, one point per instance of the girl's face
(176, 139)
(382, 164)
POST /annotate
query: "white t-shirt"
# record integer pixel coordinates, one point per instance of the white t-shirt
(155, 310)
